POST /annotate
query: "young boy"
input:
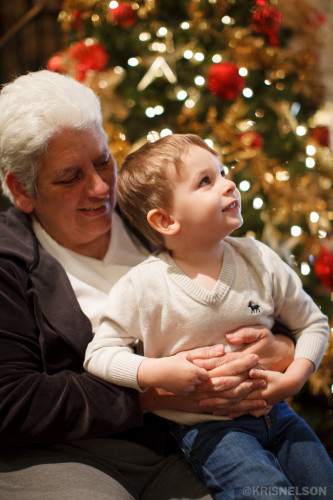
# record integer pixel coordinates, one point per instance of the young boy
(201, 285)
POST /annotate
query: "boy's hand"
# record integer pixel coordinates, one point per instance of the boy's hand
(176, 374)
(279, 386)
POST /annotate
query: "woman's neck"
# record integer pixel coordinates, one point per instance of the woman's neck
(95, 249)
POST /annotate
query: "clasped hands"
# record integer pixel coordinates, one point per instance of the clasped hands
(217, 383)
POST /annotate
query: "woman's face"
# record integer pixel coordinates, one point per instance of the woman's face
(76, 191)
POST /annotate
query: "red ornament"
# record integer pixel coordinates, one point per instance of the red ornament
(266, 21)
(89, 56)
(316, 20)
(55, 63)
(77, 22)
(324, 268)
(250, 140)
(321, 135)
(225, 81)
(123, 15)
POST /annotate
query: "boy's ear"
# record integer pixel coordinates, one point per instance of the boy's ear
(23, 200)
(162, 222)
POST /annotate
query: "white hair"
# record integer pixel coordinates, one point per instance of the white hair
(33, 109)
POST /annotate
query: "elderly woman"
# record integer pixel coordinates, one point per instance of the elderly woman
(63, 432)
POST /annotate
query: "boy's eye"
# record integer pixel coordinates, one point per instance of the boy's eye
(223, 174)
(205, 181)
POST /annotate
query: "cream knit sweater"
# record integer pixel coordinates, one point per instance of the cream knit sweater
(160, 305)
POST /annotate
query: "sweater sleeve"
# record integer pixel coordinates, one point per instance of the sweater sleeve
(296, 309)
(110, 355)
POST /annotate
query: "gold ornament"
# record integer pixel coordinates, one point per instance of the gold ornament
(158, 68)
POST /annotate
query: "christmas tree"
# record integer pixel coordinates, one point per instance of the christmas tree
(245, 76)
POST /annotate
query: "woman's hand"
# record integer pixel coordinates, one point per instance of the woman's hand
(225, 394)
(275, 351)
(230, 390)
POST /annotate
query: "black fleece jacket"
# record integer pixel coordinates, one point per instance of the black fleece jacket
(45, 395)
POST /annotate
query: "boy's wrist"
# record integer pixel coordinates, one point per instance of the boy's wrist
(143, 373)
(297, 374)
(147, 373)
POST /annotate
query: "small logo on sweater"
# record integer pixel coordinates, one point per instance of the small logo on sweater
(255, 308)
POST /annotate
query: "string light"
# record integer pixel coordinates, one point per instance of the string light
(305, 268)
(310, 150)
(189, 103)
(199, 56)
(199, 80)
(162, 31)
(181, 95)
(133, 61)
(247, 92)
(217, 58)
(153, 136)
(310, 162)
(188, 54)
(322, 234)
(244, 186)
(282, 176)
(144, 37)
(158, 47)
(157, 110)
(226, 20)
(269, 177)
(165, 132)
(301, 130)
(295, 230)
(257, 203)
(118, 70)
(295, 108)
(314, 217)
(150, 112)
(89, 42)
(260, 113)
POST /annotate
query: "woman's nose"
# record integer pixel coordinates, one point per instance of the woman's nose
(96, 186)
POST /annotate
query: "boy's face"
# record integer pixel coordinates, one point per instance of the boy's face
(205, 203)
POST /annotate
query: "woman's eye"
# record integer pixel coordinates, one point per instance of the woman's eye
(205, 181)
(104, 163)
(69, 181)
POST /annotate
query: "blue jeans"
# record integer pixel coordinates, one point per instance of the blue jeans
(276, 457)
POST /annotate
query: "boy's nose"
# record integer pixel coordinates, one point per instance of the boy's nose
(229, 186)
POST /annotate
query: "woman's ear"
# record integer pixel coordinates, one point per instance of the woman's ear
(23, 200)
(161, 221)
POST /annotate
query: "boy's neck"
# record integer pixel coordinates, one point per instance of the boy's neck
(201, 266)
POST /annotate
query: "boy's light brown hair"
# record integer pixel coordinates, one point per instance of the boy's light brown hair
(143, 183)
